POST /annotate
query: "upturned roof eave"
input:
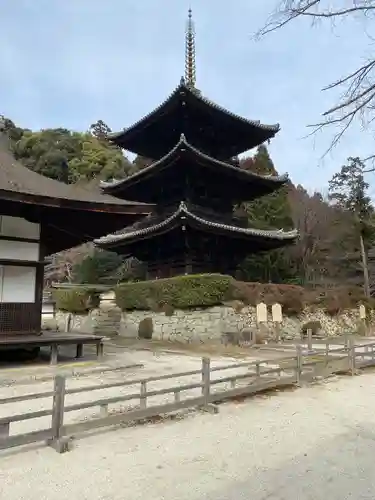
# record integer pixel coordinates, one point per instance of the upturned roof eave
(175, 153)
(182, 216)
(121, 136)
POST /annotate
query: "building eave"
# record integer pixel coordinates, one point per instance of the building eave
(110, 186)
(192, 92)
(184, 213)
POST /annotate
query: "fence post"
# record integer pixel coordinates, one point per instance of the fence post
(346, 340)
(299, 363)
(143, 397)
(206, 380)
(309, 339)
(351, 355)
(206, 389)
(4, 430)
(58, 441)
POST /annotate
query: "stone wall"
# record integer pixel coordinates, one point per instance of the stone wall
(202, 324)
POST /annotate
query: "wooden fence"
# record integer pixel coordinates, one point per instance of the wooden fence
(304, 366)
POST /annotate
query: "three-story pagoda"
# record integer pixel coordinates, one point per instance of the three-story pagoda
(194, 183)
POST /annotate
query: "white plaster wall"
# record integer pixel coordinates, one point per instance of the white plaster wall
(18, 227)
(19, 250)
(17, 284)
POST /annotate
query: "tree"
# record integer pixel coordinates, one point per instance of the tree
(98, 159)
(69, 156)
(99, 267)
(314, 256)
(100, 130)
(268, 212)
(47, 151)
(61, 265)
(357, 86)
(348, 190)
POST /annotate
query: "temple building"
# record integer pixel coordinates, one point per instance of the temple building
(195, 181)
(38, 217)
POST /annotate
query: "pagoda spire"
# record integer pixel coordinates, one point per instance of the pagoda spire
(190, 67)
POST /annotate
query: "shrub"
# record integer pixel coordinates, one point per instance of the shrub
(180, 292)
(291, 297)
(76, 300)
(146, 329)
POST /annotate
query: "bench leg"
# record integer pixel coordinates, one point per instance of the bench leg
(79, 351)
(100, 350)
(54, 352)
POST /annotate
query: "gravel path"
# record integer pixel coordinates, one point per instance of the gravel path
(314, 443)
(151, 366)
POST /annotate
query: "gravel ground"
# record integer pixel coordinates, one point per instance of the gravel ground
(313, 443)
(151, 365)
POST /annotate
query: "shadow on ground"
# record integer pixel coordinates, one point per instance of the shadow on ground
(19, 358)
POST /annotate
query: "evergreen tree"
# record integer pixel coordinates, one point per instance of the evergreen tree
(100, 130)
(348, 190)
(267, 212)
(99, 267)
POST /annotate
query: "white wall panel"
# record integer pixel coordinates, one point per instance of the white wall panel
(18, 284)
(1, 282)
(18, 228)
(19, 250)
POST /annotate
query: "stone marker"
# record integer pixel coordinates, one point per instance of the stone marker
(262, 314)
(277, 315)
(277, 318)
(362, 312)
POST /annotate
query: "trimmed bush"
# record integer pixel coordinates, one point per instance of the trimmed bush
(180, 292)
(76, 300)
(207, 290)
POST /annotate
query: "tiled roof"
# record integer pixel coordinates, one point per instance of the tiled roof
(153, 223)
(16, 178)
(184, 144)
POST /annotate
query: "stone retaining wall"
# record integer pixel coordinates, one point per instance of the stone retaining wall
(201, 324)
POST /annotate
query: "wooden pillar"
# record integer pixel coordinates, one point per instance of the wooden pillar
(100, 350)
(79, 353)
(54, 353)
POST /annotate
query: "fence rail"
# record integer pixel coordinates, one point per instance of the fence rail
(304, 365)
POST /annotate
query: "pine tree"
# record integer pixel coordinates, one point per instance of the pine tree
(348, 190)
(100, 130)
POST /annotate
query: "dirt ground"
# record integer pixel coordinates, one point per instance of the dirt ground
(305, 444)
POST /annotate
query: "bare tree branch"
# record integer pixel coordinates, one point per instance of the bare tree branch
(358, 87)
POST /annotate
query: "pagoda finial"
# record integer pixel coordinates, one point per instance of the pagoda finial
(190, 69)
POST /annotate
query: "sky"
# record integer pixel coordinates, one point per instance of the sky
(68, 63)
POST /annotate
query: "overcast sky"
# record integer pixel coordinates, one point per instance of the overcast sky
(69, 63)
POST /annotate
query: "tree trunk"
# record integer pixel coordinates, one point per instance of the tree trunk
(366, 281)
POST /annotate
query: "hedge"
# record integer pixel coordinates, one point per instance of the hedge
(77, 300)
(180, 292)
(207, 290)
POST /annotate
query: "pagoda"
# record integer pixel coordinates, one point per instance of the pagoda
(195, 181)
